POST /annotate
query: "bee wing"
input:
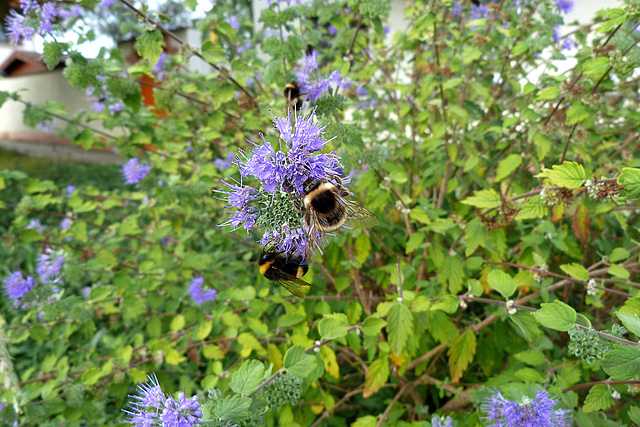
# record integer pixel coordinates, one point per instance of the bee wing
(316, 241)
(293, 284)
(359, 217)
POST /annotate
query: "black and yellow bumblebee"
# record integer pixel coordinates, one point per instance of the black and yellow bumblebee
(327, 209)
(286, 270)
(292, 95)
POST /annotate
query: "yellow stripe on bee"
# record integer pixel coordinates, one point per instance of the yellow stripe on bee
(266, 266)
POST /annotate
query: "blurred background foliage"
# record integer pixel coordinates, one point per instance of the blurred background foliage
(497, 180)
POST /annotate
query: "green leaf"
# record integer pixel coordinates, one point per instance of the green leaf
(618, 271)
(507, 166)
(619, 254)
(448, 304)
(333, 326)
(213, 53)
(630, 321)
(91, 376)
(149, 45)
(461, 352)
(630, 178)
(599, 398)
(204, 330)
(363, 247)
(178, 322)
(502, 282)
(576, 271)
(577, 113)
(622, 363)
(596, 67)
(372, 326)
(414, 242)
(366, 421)
(634, 414)
(451, 271)
(483, 199)
(475, 235)
(248, 377)
(232, 408)
(556, 315)
(551, 92)
(400, 326)
(568, 175)
(377, 376)
(298, 363)
(534, 208)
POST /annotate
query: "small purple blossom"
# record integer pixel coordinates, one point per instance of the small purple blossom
(116, 107)
(48, 125)
(456, 9)
(182, 412)
(158, 70)
(17, 29)
(437, 421)
(568, 44)
(16, 287)
(86, 291)
(233, 21)
(65, 224)
(198, 293)
(107, 3)
(49, 13)
(134, 171)
(49, 265)
(70, 190)
(224, 163)
(556, 34)
(27, 5)
(565, 6)
(34, 224)
(150, 396)
(530, 412)
(310, 81)
(332, 30)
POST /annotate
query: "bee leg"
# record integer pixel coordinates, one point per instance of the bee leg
(296, 203)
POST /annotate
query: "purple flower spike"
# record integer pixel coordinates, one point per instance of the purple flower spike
(134, 171)
(565, 6)
(199, 294)
(49, 265)
(530, 412)
(16, 287)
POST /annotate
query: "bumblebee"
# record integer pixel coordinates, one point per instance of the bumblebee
(292, 95)
(326, 208)
(285, 269)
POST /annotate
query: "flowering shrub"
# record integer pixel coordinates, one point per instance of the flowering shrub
(499, 287)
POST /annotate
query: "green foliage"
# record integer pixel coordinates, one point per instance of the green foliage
(489, 183)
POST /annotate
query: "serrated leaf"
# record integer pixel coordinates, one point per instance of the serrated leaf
(630, 179)
(448, 304)
(483, 199)
(507, 166)
(213, 53)
(576, 271)
(577, 113)
(414, 242)
(596, 67)
(298, 363)
(568, 175)
(622, 363)
(502, 282)
(377, 376)
(551, 92)
(634, 414)
(372, 326)
(617, 270)
(599, 398)
(475, 235)
(533, 209)
(248, 377)
(399, 327)
(556, 315)
(232, 408)
(581, 224)
(149, 45)
(619, 254)
(630, 321)
(461, 352)
(333, 326)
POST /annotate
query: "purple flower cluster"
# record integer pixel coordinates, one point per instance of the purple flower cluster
(288, 2)
(16, 286)
(310, 81)
(530, 412)
(199, 294)
(437, 421)
(280, 175)
(567, 43)
(158, 70)
(565, 6)
(37, 18)
(49, 265)
(134, 171)
(152, 407)
(34, 224)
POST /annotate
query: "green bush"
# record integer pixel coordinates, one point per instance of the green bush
(498, 287)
